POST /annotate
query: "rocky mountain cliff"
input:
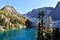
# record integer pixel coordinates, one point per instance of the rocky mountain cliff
(11, 19)
(56, 13)
(49, 11)
(34, 13)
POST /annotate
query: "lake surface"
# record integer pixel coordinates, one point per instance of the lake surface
(27, 34)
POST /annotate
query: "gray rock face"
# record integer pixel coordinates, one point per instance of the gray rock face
(8, 8)
(11, 9)
(34, 12)
(33, 15)
(49, 11)
(56, 13)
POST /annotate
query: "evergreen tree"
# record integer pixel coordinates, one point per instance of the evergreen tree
(40, 31)
(28, 23)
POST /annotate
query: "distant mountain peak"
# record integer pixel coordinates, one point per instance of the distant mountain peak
(56, 12)
(34, 12)
(11, 9)
(58, 5)
(58, 2)
(8, 8)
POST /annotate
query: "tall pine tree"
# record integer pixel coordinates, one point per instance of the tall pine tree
(40, 27)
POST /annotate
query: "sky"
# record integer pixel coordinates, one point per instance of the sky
(24, 6)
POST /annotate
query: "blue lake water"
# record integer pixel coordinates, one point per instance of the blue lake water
(27, 34)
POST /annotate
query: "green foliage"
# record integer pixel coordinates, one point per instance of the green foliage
(28, 23)
(40, 29)
(8, 19)
(7, 26)
(44, 34)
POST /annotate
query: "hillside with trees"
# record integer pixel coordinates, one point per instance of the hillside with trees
(11, 19)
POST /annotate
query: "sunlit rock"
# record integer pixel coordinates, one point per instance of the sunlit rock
(1, 29)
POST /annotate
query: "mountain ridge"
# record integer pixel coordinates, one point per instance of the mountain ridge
(11, 19)
(56, 12)
(53, 12)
